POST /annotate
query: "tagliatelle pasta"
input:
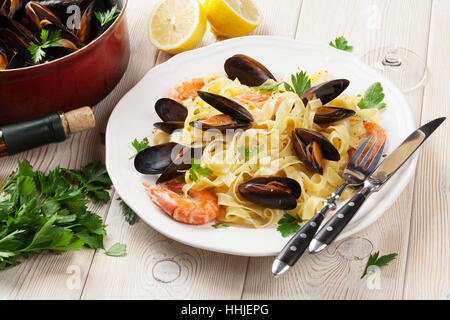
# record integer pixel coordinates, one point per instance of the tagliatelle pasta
(276, 114)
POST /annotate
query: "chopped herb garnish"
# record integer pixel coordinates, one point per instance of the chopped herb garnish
(300, 82)
(48, 212)
(379, 262)
(48, 39)
(341, 44)
(139, 146)
(220, 225)
(105, 17)
(247, 155)
(128, 213)
(268, 87)
(197, 170)
(373, 98)
(289, 225)
(117, 250)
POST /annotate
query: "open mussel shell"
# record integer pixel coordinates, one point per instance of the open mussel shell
(40, 16)
(169, 126)
(170, 110)
(249, 71)
(8, 23)
(326, 91)
(13, 8)
(272, 192)
(154, 160)
(328, 114)
(90, 27)
(15, 43)
(221, 122)
(67, 10)
(226, 106)
(181, 162)
(311, 146)
(17, 61)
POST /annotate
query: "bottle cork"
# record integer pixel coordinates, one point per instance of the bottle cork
(80, 119)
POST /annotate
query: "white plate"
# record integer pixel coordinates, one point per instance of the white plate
(134, 116)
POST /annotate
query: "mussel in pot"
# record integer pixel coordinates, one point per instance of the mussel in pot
(272, 192)
(249, 71)
(234, 116)
(172, 113)
(312, 146)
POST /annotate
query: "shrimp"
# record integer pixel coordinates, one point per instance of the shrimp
(372, 129)
(199, 207)
(252, 100)
(186, 89)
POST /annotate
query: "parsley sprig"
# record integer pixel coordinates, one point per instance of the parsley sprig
(105, 17)
(373, 98)
(48, 39)
(342, 44)
(300, 83)
(197, 170)
(289, 225)
(220, 225)
(268, 87)
(117, 250)
(379, 262)
(139, 146)
(247, 154)
(128, 213)
(41, 212)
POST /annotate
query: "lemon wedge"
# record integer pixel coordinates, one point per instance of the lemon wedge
(177, 25)
(233, 18)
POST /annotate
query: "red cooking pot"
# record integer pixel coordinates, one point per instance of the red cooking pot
(82, 78)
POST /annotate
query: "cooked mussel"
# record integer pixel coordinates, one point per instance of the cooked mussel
(172, 113)
(328, 114)
(234, 116)
(180, 163)
(312, 146)
(325, 91)
(249, 71)
(154, 160)
(39, 16)
(17, 61)
(272, 192)
(90, 27)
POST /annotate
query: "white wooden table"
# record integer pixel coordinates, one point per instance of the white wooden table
(417, 226)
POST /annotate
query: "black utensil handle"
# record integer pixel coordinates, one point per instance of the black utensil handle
(340, 219)
(294, 249)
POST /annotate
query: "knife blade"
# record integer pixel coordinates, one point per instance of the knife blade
(374, 182)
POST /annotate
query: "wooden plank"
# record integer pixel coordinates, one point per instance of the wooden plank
(428, 273)
(335, 273)
(159, 268)
(50, 276)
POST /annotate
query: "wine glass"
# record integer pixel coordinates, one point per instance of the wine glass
(402, 66)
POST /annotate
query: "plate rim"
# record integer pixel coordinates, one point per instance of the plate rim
(385, 205)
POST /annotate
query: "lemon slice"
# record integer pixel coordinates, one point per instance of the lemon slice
(177, 25)
(233, 18)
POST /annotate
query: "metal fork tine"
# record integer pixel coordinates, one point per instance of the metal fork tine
(376, 159)
(367, 156)
(359, 151)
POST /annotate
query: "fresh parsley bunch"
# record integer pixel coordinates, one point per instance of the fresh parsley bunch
(41, 212)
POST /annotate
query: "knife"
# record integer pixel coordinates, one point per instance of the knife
(374, 182)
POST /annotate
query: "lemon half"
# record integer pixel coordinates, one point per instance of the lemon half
(177, 25)
(233, 18)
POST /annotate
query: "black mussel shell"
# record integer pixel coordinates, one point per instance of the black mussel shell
(226, 106)
(7, 23)
(15, 42)
(13, 8)
(272, 192)
(169, 126)
(249, 71)
(90, 27)
(170, 110)
(154, 160)
(311, 146)
(221, 122)
(326, 91)
(17, 61)
(67, 9)
(327, 114)
(181, 162)
(36, 14)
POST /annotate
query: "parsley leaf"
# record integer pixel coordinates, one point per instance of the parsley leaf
(268, 87)
(341, 44)
(48, 39)
(117, 250)
(289, 225)
(220, 225)
(247, 155)
(379, 262)
(105, 17)
(48, 212)
(373, 98)
(130, 215)
(197, 170)
(300, 82)
(139, 146)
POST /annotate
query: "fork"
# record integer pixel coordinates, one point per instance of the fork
(360, 166)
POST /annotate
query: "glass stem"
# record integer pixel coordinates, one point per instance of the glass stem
(392, 59)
